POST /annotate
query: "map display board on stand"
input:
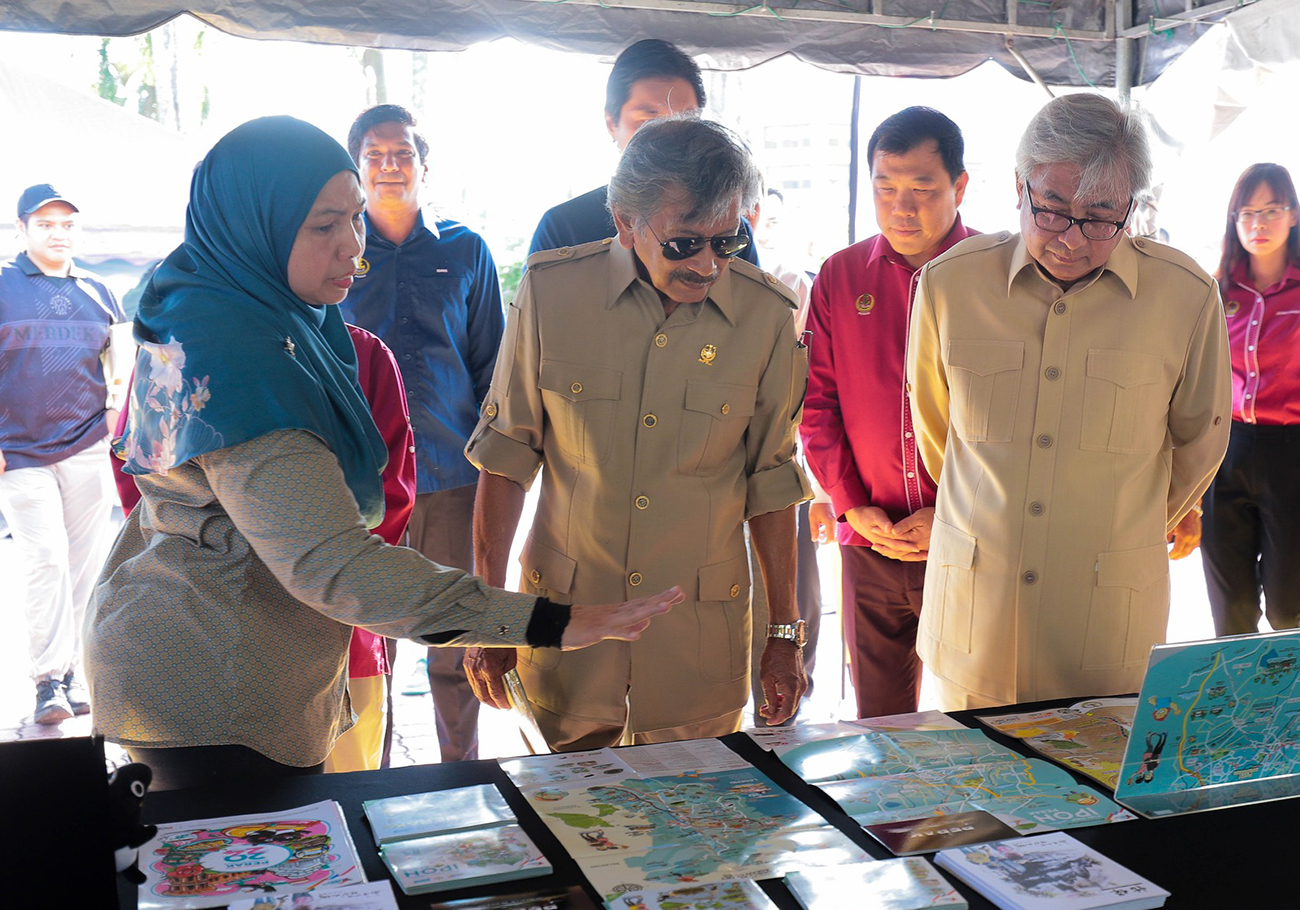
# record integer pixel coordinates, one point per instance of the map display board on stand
(1218, 724)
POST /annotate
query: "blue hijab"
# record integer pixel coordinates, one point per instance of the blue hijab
(227, 351)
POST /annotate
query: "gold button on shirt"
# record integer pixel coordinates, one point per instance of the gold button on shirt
(722, 449)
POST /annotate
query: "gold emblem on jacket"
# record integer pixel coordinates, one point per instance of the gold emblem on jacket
(865, 304)
(708, 353)
(362, 268)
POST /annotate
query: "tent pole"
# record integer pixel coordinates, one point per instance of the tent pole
(854, 114)
(1123, 52)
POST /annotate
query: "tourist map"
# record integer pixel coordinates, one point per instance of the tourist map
(876, 754)
(1089, 736)
(1027, 794)
(653, 817)
(1218, 724)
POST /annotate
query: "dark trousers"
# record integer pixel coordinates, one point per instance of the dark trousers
(882, 609)
(1250, 540)
(442, 529)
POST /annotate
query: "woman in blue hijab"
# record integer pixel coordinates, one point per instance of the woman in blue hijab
(218, 634)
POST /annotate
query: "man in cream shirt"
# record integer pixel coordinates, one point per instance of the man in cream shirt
(1071, 392)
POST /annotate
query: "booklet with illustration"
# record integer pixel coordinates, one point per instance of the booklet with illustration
(908, 883)
(1050, 872)
(461, 859)
(211, 862)
(463, 808)
(369, 896)
(1088, 736)
(735, 895)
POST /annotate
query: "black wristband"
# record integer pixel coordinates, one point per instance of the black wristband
(547, 625)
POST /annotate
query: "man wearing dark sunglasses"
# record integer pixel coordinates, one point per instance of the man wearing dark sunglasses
(1070, 391)
(660, 381)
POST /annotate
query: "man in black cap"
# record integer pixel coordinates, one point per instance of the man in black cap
(55, 486)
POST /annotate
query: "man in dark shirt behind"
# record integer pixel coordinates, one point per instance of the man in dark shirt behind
(429, 290)
(55, 490)
(650, 79)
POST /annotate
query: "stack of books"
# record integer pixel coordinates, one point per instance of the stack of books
(452, 839)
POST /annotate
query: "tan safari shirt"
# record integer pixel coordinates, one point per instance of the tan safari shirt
(660, 436)
(1068, 430)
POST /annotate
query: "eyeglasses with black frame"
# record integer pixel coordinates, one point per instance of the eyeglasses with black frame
(725, 246)
(1058, 223)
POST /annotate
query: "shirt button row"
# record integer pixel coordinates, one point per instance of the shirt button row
(1030, 578)
(661, 340)
(490, 410)
(1052, 373)
(649, 420)
(642, 502)
(1036, 508)
(1060, 308)
(576, 388)
(1044, 441)
(635, 579)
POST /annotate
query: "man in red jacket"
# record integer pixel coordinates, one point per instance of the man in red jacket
(856, 427)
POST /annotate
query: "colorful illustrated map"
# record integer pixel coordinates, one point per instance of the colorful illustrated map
(1089, 737)
(1218, 725)
(877, 754)
(711, 818)
(1028, 795)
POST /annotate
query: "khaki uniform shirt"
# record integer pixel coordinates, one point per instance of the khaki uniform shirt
(1068, 430)
(660, 436)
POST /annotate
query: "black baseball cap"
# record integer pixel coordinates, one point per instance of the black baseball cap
(36, 196)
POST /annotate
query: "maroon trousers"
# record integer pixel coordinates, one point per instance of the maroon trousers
(882, 608)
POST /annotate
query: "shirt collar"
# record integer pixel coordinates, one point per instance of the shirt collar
(623, 272)
(31, 269)
(1123, 264)
(1241, 275)
(881, 248)
(420, 224)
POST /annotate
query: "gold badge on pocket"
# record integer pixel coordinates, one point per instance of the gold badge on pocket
(708, 353)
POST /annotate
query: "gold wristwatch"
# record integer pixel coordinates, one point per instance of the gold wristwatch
(791, 631)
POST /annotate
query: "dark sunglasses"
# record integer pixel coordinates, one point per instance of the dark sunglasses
(725, 246)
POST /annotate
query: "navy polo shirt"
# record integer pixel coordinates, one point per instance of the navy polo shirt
(52, 334)
(585, 218)
(435, 300)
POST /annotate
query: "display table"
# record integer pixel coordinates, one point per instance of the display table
(1222, 859)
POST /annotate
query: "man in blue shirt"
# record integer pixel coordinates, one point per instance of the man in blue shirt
(650, 79)
(430, 291)
(56, 492)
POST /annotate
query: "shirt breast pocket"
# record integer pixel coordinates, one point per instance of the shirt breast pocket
(580, 401)
(715, 417)
(1124, 403)
(985, 377)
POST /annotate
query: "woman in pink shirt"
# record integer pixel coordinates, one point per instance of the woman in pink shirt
(1252, 509)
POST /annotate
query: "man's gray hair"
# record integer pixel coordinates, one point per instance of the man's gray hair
(1107, 142)
(672, 156)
